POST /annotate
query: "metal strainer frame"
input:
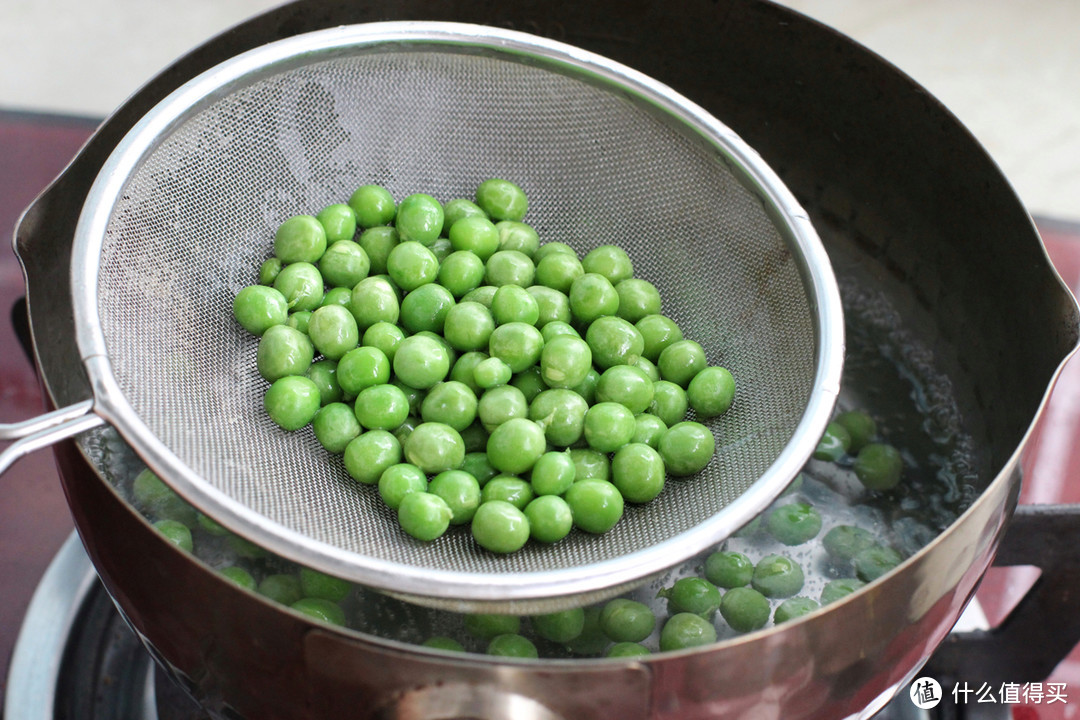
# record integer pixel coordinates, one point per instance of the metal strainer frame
(451, 588)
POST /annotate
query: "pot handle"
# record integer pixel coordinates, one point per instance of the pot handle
(44, 430)
(1044, 627)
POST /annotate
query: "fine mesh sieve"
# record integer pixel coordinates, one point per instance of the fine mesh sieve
(185, 210)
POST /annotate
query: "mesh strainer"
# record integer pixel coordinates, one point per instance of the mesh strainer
(185, 209)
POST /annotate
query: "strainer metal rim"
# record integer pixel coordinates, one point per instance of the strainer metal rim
(111, 404)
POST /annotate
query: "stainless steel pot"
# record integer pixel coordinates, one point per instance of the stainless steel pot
(906, 202)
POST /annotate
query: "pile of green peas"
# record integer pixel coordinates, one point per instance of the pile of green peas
(473, 374)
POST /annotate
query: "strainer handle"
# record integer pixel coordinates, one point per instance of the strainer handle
(44, 430)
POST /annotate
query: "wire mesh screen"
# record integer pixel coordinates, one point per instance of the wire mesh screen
(599, 166)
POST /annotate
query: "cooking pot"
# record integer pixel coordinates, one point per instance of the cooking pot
(908, 205)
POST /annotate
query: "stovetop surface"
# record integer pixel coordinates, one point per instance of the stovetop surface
(34, 518)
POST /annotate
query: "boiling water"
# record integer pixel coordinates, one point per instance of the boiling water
(888, 374)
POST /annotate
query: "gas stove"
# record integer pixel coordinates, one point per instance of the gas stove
(76, 657)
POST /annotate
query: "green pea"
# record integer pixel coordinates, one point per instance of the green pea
(411, 264)
(500, 527)
(687, 447)
(508, 488)
(556, 328)
(627, 385)
(321, 610)
(692, 595)
(686, 630)
(834, 443)
(626, 650)
(728, 569)
(561, 626)
(839, 588)
(637, 470)
(419, 218)
(793, 608)
(369, 454)
(597, 505)
(637, 299)
(385, 337)
(500, 404)
(550, 518)
(300, 239)
(485, 626)
(552, 474)
(592, 640)
(399, 480)
(461, 272)
(551, 248)
(648, 429)
(301, 284)
(590, 464)
(609, 426)
(502, 199)
(426, 308)
(362, 367)
(441, 642)
(558, 271)
(844, 542)
(423, 515)
(776, 576)
(381, 407)
(420, 362)
(516, 445)
(860, 426)
(610, 261)
(794, 523)
(459, 208)
(592, 296)
(336, 296)
(282, 588)
(292, 402)
(515, 646)
(333, 331)
(283, 351)
(680, 361)
(374, 300)
(614, 341)
(875, 561)
(587, 388)
(561, 414)
(711, 392)
(565, 361)
(744, 609)
(657, 332)
(434, 447)
(240, 576)
(176, 533)
(517, 344)
(879, 466)
(159, 500)
(476, 461)
(512, 303)
(646, 366)
(475, 234)
(373, 205)
(669, 402)
(258, 308)
(509, 267)
(377, 243)
(529, 382)
(452, 403)
(269, 269)
(335, 425)
(625, 620)
(492, 372)
(320, 585)
(461, 492)
(515, 235)
(338, 221)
